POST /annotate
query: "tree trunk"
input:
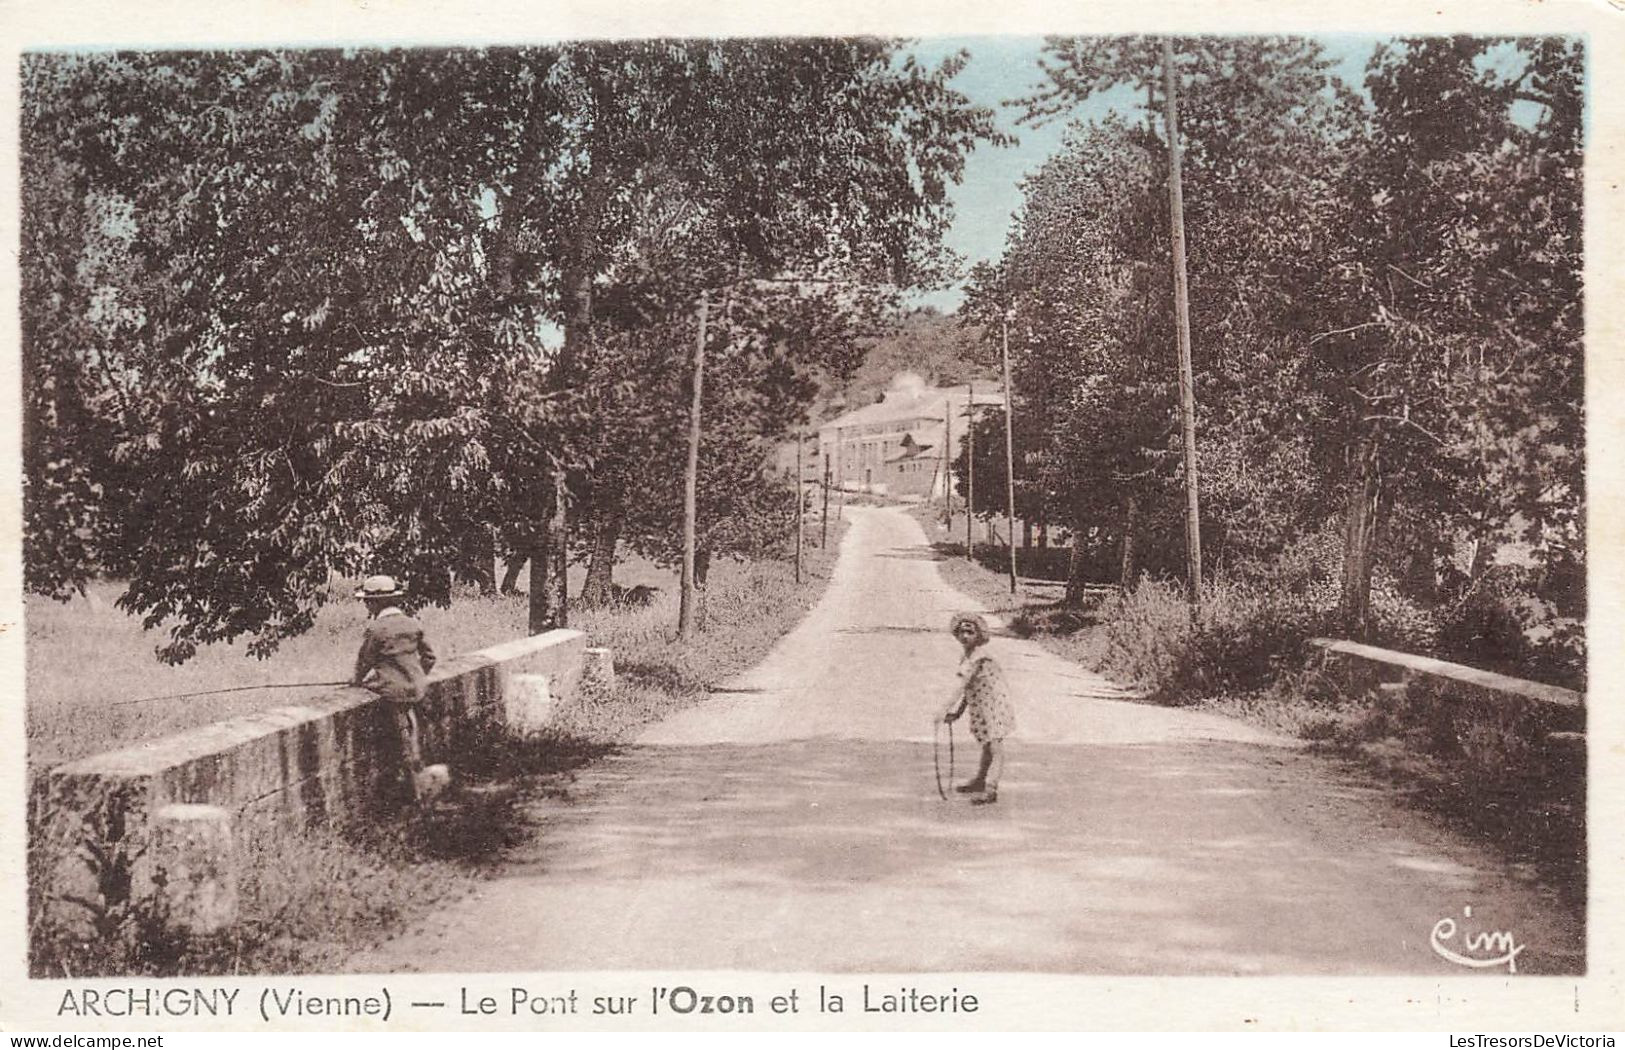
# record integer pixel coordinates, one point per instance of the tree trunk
(1421, 574)
(549, 591)
(600, 584)
(1359, 534)
(548, 608)
(687, 597)
(1078, 565)
(558, 531)
(1129, 573)
(1483, 558)
(702, 571)
(516, 562)
(541, 613)
(480, 555)
(549, 558)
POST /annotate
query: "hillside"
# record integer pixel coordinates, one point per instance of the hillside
(928, 344)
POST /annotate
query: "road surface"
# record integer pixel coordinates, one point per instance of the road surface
(792, 823)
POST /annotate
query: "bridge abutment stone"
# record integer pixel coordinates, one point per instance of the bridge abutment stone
(598, 674)
(192, 868)
(528, 704)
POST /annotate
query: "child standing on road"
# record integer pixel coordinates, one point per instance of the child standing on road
(983, 694)
(396, 654)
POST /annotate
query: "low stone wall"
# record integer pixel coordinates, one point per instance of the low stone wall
(1363, 668)
(327, 761)
(1504, 728)
(1501, 758)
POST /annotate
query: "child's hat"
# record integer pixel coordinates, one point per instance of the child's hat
(974, 621)
(380, 587)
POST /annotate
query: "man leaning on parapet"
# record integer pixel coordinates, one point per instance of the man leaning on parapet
(396, 654)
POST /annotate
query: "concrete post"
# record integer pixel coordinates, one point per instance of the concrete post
(528, 703)
(194, 868)
(598, 674)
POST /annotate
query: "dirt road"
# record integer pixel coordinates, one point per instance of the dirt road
(792, 823)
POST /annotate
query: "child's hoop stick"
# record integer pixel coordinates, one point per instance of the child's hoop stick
(936, 755)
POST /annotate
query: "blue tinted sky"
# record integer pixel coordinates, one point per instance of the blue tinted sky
(1004, 68)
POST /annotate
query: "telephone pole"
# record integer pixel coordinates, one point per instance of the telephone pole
(1182, 323)
(687, 602)
(1009, 449)
(840, 471)
(970, 465)
(823, 537)
(801, 498)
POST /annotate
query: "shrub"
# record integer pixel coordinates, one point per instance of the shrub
(1244, 635)
(1148, 634)
(1397, 622)
(1483, 630)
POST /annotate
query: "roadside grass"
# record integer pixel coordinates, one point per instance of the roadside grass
(746, 607)
(1035, 611)
(305, 900)
(90, 667)
(309, 900)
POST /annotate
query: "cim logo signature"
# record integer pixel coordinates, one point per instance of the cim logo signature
(1473, 949)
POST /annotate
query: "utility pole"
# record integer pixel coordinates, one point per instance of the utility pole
(1182, 322)
(823, 542)
(691, 482)
(970, 465)
(801, 498)
(1009, 449)
(947, 463)
(840, 471)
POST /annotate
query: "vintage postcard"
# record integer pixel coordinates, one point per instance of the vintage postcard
(700, 517)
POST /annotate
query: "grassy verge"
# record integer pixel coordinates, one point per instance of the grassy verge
(71, 714)
(1035, 611)
(747, 607)
(307, 901)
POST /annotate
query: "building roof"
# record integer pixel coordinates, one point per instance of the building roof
(899, 406)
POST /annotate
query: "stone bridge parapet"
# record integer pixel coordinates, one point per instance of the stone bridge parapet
(326, 761)
(1511, 727)
(1365, 667)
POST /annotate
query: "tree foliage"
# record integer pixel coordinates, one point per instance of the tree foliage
(1385, 298)
(284, 311)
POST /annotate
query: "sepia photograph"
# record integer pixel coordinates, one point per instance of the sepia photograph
(1081, 505)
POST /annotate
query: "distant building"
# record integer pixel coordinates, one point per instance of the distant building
(895, 446)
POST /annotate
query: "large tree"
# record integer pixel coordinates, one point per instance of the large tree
(798, 185)
(284, 311)
(1087, 274)
(1451, 357)
(1385, 293)
(300, 364)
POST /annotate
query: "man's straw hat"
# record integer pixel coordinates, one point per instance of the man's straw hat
(380, 587)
